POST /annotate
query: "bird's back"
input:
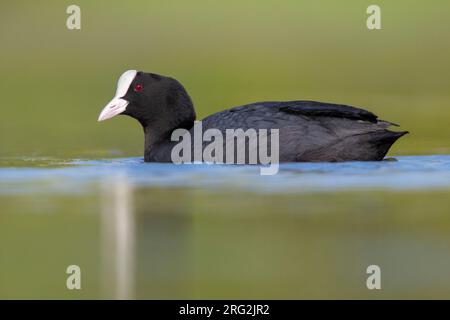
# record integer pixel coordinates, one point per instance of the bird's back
(311, 131)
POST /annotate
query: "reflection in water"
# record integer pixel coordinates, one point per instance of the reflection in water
(205, 232)
(118, 237)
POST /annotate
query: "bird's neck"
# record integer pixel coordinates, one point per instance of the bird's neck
(154, 141)
(158, 144)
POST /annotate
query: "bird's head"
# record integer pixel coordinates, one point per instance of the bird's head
(156, 101)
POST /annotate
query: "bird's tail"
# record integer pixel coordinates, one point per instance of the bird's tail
(382, 141)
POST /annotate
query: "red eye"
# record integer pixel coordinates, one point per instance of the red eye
(138, 87)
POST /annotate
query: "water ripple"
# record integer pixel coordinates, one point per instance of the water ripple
(81, 176)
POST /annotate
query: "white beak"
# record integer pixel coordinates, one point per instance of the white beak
(118, 105)
(115, 107)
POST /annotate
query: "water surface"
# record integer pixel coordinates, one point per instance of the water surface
(141, 230)
(163, 231)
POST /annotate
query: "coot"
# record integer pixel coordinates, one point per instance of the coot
(307, 130)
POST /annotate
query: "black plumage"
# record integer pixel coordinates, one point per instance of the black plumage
(308, 130)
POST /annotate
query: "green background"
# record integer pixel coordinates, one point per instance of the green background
(55, 81)
(222, 243)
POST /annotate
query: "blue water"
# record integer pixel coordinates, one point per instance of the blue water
(225, 231)
(80, 176)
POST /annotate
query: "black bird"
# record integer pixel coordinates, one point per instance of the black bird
(308, 130)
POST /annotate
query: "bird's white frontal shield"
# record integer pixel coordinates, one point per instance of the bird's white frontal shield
(118, 105)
